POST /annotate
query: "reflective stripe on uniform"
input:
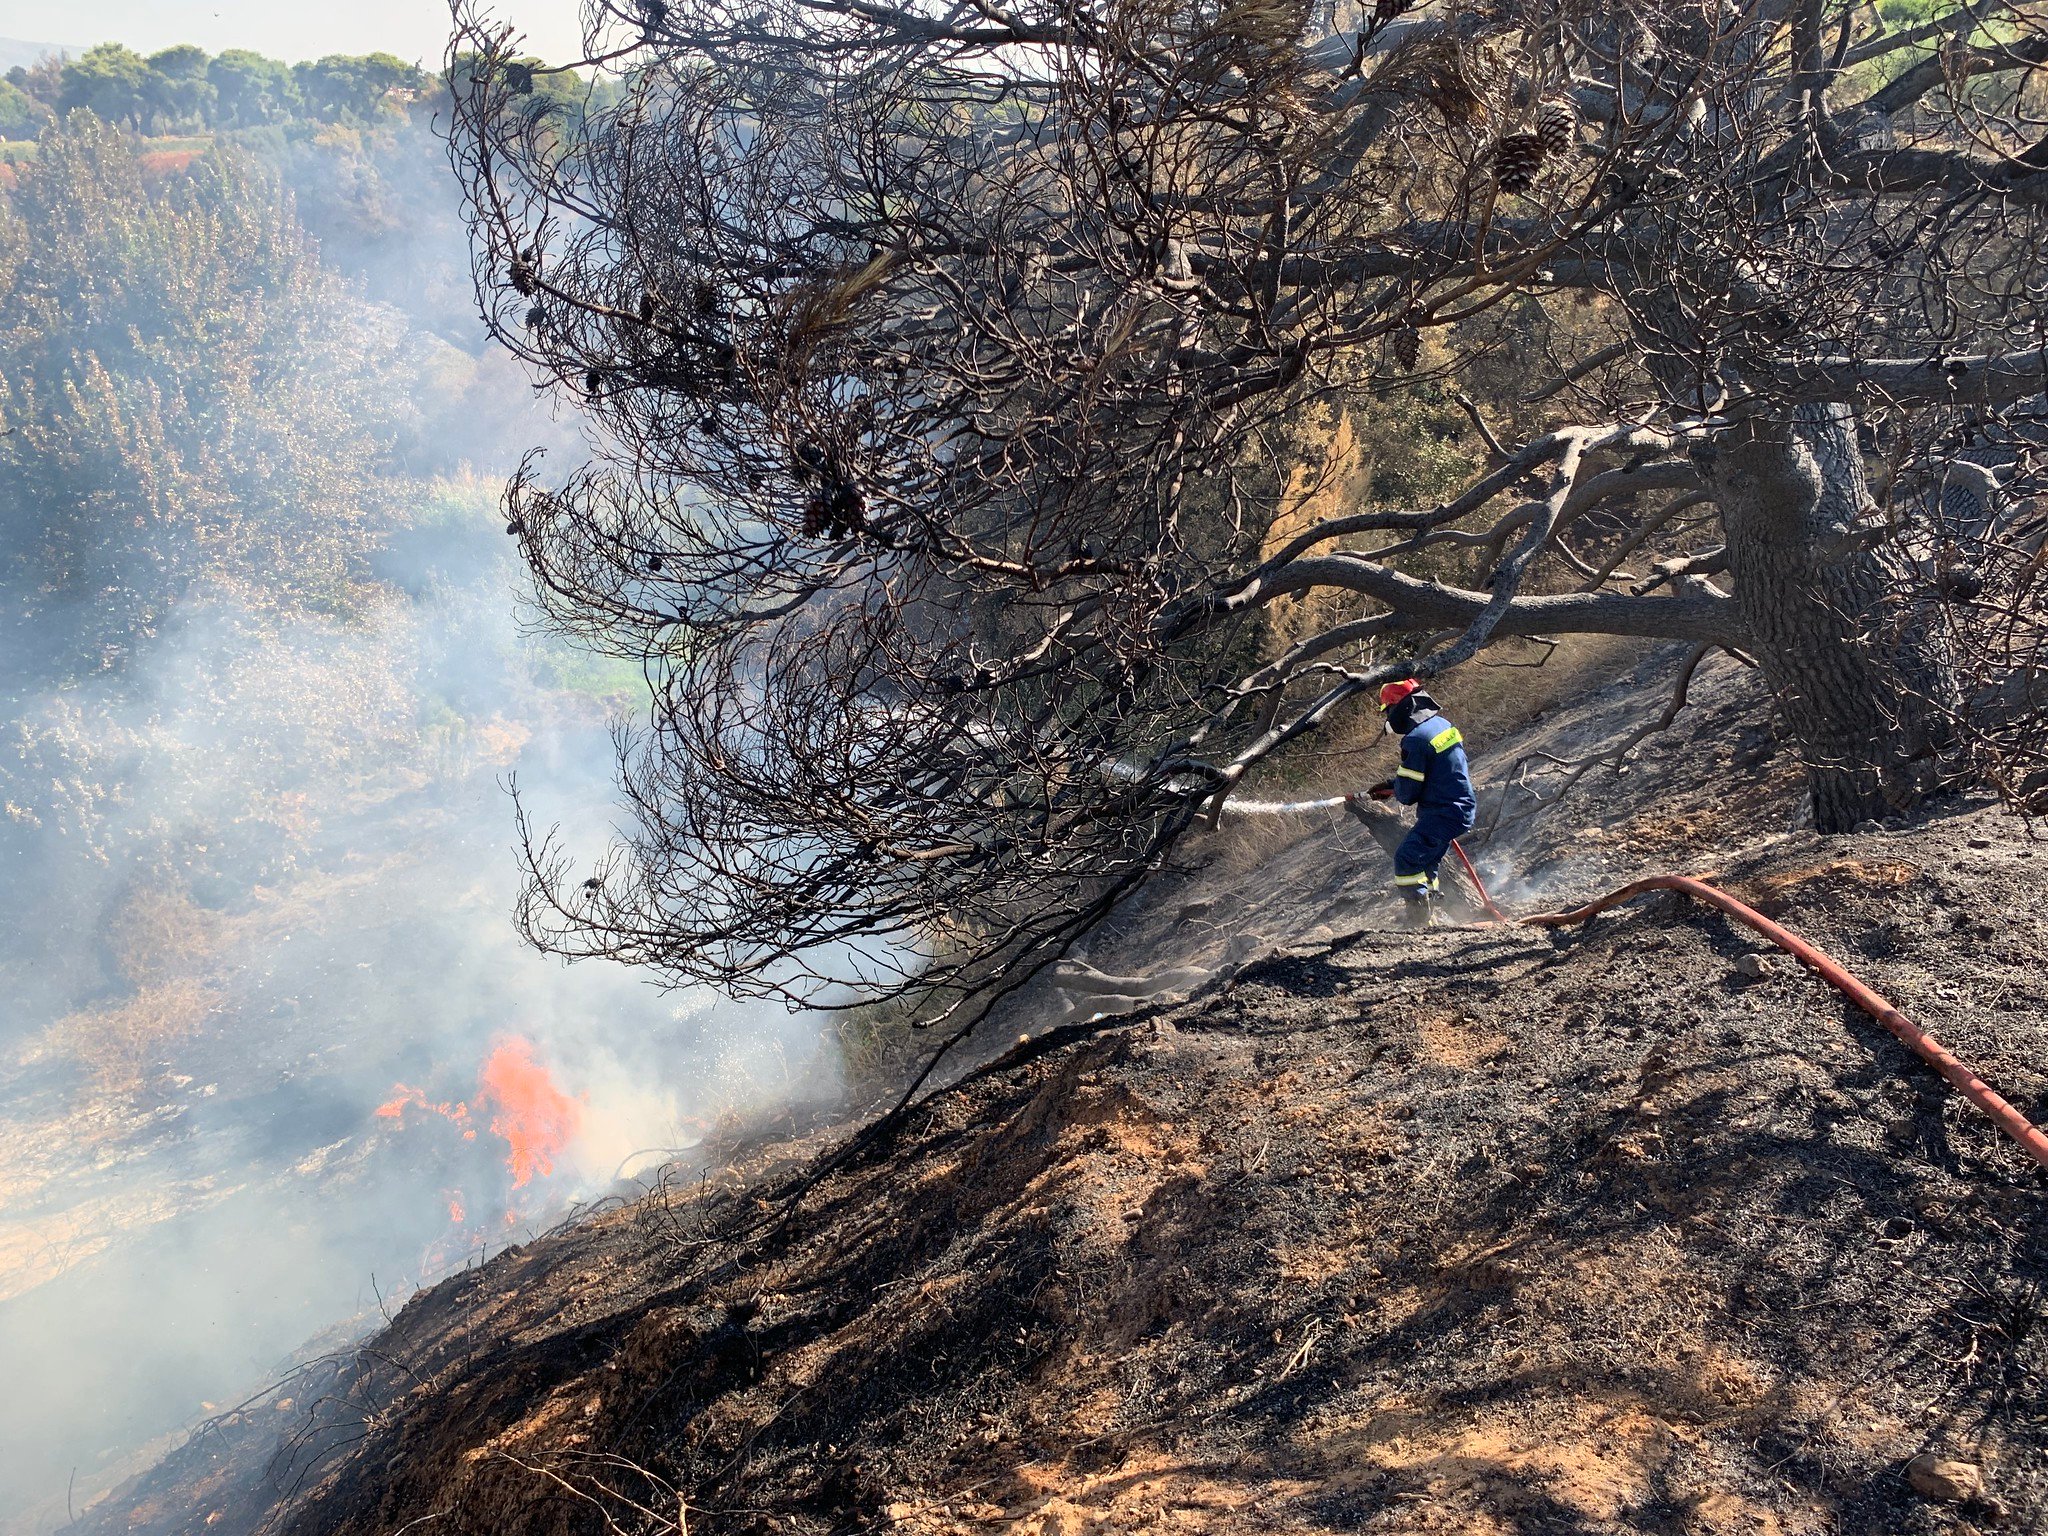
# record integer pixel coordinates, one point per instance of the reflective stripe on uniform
(1411, 773)
(1446, 739)
(1411, 879)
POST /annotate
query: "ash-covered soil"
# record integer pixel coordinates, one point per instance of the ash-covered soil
(1484, 1230)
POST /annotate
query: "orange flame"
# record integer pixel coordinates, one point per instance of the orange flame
(535, 1117)
(405, 1098)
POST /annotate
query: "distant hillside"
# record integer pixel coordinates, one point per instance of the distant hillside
(14, 51)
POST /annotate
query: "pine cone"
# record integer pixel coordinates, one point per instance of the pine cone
(810, 461)
(1384, 11)
(1407, 346)
(1517, 161)
(1557, 127)
(536, 318)
(849, 509)
(593, 382)
(522, 278)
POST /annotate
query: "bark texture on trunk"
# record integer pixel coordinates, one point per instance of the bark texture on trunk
(1860, 692)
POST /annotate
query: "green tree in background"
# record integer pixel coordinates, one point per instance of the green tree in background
(178, 88)
(42, 81)
(341, 88)
(250, 90)
(21, 115)
(112, 82)
(189, 397)
(181, 89)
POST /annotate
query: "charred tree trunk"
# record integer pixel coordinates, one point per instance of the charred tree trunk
(1860, 692)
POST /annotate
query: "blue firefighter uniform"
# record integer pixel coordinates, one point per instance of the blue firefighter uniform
(1434, 778)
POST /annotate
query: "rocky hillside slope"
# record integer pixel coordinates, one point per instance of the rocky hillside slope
(1487, 1230)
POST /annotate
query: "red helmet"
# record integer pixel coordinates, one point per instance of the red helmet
(1393, 693)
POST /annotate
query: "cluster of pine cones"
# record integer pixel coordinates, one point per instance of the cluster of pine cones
(836, 509)
(1517, 160)
(1521, 155)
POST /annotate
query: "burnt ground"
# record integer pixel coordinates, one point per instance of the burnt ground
(1485, 1230)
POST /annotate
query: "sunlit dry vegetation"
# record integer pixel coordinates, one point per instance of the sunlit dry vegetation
(210, 676)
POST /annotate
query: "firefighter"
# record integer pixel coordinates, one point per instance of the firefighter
(1433, 777)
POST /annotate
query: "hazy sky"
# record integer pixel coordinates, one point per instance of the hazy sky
(287, 29)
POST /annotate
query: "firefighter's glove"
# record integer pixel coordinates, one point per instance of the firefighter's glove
(1384, 790)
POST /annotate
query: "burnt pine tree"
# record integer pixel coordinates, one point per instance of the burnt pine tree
(942, 360)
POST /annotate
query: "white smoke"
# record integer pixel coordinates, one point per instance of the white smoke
(278, 887)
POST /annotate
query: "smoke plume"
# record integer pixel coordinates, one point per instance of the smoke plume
(272, 1054)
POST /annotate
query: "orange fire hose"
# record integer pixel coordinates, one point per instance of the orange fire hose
(1924, 1045)
(1479, 885)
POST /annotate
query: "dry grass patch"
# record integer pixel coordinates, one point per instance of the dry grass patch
(120, 1043)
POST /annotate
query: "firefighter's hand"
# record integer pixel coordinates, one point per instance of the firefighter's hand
(1384, 790)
